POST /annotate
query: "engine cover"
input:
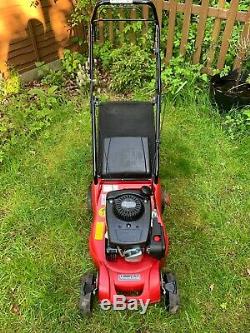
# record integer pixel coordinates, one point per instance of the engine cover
(128, 214)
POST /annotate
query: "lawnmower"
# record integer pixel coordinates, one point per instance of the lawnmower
(128, 241)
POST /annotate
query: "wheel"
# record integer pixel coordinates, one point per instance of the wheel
(165, 200)
(88, 285)
(89, 198)
(171, 293)
(163, 193)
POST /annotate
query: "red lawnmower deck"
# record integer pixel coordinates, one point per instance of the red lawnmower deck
(146, 283)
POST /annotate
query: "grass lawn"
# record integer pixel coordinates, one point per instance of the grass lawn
(45, 227)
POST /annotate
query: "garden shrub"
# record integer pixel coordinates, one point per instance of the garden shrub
(10, 86)
(182, 79)
(237, 123)
(132, 68)
(73, 68)
(23, 117)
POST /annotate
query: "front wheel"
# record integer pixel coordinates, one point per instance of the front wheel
(88, 286)
(170, 292)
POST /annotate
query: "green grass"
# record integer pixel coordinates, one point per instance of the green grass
(45, 228)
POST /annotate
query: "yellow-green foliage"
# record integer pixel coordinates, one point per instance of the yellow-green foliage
(10, 86)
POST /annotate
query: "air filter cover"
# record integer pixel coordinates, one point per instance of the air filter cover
(128, 207)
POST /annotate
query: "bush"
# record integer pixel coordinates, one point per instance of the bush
(183, 79)
(72, 61)
(130, 68)
(49, 76)
(237, 123)
(9, 86)
(74, 68)
(27, 114)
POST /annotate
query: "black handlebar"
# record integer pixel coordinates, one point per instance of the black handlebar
(93, 101)
(101, 3)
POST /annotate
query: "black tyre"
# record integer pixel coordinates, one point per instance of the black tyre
(88, 285)
(89, 199)
(165, 200)
(171, 293)
(163, 204)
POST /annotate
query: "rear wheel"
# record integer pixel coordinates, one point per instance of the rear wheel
(165, 200)
(89, 198)
(88, 286)
(171, 293)
(163, 192)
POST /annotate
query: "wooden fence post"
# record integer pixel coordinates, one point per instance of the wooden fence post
(201, 31)
(159, 7)
(215, 36)
(227, 33)
(133, 16)
(111, 27)
(185, 26)
(121, 25)
(145, 13)
(171, 30)
(101, 32)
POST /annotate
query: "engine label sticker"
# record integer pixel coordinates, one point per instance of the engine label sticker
(129, 277)
(109, 188)
(99, 230)
(102, 212)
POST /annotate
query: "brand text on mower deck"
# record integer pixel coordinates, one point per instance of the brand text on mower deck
(121, 303)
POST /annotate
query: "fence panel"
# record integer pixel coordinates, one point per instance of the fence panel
(231, 16)
(33, 33)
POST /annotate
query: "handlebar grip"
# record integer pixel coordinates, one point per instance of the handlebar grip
(121, 2)
(125, 2)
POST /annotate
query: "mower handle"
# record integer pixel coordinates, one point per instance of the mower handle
(101, 3)
(93, 100)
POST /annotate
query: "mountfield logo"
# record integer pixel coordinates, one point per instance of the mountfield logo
(120, 303)
(129, 277)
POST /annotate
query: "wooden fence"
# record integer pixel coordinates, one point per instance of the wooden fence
(33, 34)
(40, 45)
(224, 21)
